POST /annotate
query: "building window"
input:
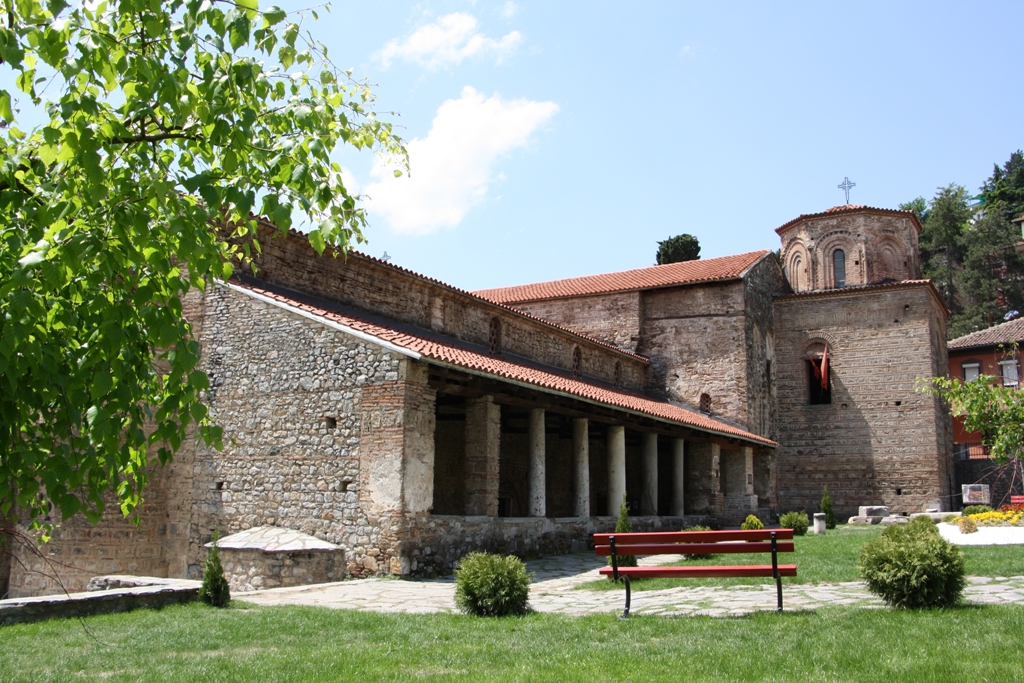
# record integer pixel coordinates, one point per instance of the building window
(839, 268)
(618, 374)
(494, 343)
(705, 403)
(971, 371)
(577, 360)
(1009, 373)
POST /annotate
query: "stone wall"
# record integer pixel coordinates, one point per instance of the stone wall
(696, 339)
(249, 570)
(305, 410)
(879, 442)
(614, 318)
(763, 280)
(373, 286)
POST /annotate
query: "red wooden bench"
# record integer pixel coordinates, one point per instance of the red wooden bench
(696, 543)
(1016, 500)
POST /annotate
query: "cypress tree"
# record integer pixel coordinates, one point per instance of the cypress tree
(826, 507)
(214, 590)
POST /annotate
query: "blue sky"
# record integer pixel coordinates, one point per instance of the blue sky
(556, 139)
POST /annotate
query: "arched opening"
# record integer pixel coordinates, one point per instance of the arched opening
(577, 361)
(839, 268)
(705, 403)
(618, 374)
(819, 374)
(796, 264)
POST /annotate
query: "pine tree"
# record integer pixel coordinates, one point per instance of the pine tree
(826, 507)
(214, 591)
(622, 526)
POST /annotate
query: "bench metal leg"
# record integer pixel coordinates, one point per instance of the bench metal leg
(625, 612)
(778, 590)
(775, 571)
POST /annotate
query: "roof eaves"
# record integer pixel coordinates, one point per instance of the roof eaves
(785, 227)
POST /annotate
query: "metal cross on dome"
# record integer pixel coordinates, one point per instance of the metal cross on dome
(845, 186)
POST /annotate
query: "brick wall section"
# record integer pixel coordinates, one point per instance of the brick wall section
(696, 340)
(378, 288)
(878, 435)
(614, 318)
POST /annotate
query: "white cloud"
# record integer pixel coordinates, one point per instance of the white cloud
(447, 42)
(509, 10)
(452, 168)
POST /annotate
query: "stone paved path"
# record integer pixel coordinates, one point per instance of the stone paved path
(553, 591)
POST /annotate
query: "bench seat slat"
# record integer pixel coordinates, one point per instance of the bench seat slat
(696, 536)
(692, 548)
(701, 572)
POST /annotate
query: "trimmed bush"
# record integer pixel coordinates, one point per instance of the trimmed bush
(796, 520)
(976, 509)
(923, 524)
(967, 525)
(622, 526)
(951, 519)
(911, 567)
(826, 507)
(490, 585)
(214, 591)
(752, 523)
(696, 527)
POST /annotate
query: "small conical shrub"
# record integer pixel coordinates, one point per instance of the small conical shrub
(214, 591)
(752, 523)
(826, 507)
(622, 527)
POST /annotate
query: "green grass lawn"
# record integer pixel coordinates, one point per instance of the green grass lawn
(249, 643)
(830, 558)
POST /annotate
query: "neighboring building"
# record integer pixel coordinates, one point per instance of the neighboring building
(402, 422)
(992, 352)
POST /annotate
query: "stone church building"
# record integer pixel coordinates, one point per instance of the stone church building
(396, 422)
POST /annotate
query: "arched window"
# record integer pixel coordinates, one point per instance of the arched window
(577, 360)
(819, 374)
(705, 403)
(494, 343)
(796, 264)
(839, 268)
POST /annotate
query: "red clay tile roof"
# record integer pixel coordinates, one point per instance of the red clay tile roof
(446, 351)
(1006, 333)
(850, 208)
(293, 233)
(668, 275)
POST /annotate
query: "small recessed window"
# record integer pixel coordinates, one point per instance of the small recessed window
(345, 484)
(331, 422)
(705, 403)
(618, 374)
(577, 361)
(819, 391)
(839, 267)
(494, 342)
(971, 371)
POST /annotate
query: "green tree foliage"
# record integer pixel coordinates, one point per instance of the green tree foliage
(679, 248)
(214, 591)
(994, 411)
(826, 507)
(971, 258)
(1004, 190)
(162, 120)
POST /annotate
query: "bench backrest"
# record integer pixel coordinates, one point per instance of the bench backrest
(1016, 500)
(694, 542)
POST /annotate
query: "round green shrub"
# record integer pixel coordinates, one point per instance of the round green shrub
(752, 523)
(796, 520)
(696, 527)
(489, 585)
(913, 568)
(976, 509)
(967, 525)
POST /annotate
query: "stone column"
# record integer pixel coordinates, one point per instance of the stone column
(616, 468)
(483, 444)
(678, 480)
(649, 493)
(581, 465)
(538, 478)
